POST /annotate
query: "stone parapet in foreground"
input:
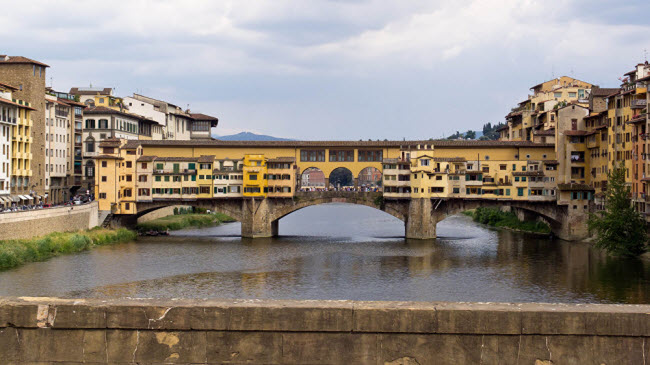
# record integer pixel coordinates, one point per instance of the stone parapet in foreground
(71, 331)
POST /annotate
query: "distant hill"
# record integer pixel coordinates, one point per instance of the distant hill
(248, 136)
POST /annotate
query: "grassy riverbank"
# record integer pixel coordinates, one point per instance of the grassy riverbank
(496, 218)
(181, 221)
(17, 252)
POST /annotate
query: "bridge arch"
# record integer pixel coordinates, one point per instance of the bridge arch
(313, 177)
(372, 200)
(370, 176)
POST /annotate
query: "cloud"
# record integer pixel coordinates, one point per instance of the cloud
(336, 69)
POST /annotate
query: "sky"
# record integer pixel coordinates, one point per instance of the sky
(331, 69)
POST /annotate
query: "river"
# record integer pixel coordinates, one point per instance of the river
(339, 251)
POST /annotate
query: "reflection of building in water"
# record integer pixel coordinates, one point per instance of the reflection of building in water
(313, 177)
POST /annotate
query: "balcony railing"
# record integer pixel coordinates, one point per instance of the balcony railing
(639, 103)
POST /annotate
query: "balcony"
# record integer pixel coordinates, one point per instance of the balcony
(639, 104)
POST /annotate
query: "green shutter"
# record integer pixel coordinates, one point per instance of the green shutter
(192, 166)
(193, 177)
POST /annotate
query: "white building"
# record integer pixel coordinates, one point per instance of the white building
(8, 118)
(58, 156)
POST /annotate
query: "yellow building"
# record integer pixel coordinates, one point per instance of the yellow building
(255, 179)
(21, 150)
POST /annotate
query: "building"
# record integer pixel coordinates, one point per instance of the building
(28, 76)
(11, 114)
(539, 111)
(58, 154)
(177, 123)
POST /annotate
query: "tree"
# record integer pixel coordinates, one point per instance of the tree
(619, 228)
(470, 135)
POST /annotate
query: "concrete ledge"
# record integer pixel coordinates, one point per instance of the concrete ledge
(34, 330)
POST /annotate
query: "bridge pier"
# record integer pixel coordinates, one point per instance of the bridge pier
(421, 220)
(257, 219)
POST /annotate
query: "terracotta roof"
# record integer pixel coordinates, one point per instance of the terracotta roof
(603, 92)
(72, 102)
(505, 126)
(8, 86)
(204, 117)
(19, 59)
(575, 133)
(178, 159)
(111, 142)
(574, 187)
(146, 158)
(640, 118)
(449, 159)
(281, 160)
(206, 158)
(550, 162)
(613, 93)
(104, 110)
(528, 173)
(107, 157)
(9, 102)
(548, 132)
(327, 144)
(90, 91)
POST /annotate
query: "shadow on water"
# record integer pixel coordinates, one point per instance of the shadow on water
(334, 252)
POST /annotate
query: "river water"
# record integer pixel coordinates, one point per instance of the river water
(339, 251)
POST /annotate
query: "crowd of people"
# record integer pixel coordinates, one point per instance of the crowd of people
(359, 189)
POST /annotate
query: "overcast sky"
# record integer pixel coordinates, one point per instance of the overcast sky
(338, 69)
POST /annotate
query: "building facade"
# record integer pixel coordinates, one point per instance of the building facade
(28, 76)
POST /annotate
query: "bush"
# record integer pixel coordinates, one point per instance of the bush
(497, 218)
(175, 210)
(16, 252)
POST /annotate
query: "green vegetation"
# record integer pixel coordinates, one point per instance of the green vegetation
(379, 201)
(17, 252)
(490, 131)
(181, 221)
(619, 228)
(496, 218)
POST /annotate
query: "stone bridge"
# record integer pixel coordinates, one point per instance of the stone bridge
(259, 217)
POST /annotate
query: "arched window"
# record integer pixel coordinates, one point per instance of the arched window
(90, 144)
(90, 169)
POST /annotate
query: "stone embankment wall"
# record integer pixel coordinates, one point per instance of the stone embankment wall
(34, 223)
(44, 330)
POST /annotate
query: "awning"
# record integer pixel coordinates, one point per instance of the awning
(4, 199)
(15, 198)
(25, 197)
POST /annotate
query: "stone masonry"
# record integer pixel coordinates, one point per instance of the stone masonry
(33, 223)
(76, 331)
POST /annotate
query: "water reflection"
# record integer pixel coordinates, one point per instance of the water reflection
(334, 252)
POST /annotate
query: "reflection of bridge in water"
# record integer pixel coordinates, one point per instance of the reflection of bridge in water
(259, 217)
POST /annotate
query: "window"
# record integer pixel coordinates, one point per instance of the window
(159, 166)
(128, 164)
(103, 124)
(191, 166)
(104, 179)
(104, 164)
(90, 124)
(557, 95)
(143, 165)
(167, 178)
(424, 162)
(507, 192)
(341, 155)
(370, 155)
(90, 145)
(252, 177)
(312, 155)
(520, 191)
(102, 195)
